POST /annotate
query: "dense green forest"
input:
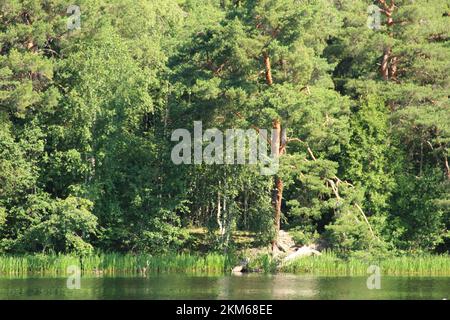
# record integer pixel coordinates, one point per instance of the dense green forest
(89, 99)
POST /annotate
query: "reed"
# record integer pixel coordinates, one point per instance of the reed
(263, 263)
(330, 264)
(36, 263)
(114, 262)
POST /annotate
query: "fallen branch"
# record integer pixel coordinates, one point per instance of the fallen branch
(367, 221)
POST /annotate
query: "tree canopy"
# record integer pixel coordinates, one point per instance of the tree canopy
(359, 95)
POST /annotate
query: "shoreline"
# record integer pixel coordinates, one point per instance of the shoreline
(328, 264)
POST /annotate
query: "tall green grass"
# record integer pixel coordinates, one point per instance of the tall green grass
(263, 263)
(36, 263)
(330, 264)
(111, 263)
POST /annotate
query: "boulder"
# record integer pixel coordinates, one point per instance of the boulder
(242, 267)
(285, 241)
(304, 251)
(238, 269)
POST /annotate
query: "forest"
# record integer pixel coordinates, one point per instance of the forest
(92, 90)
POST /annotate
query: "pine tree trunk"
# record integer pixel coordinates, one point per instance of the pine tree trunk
(279, 196)
(268, 69)
(278, 183)
(276, 147)
(388, 63)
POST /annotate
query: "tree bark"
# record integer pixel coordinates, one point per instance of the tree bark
(279, 188)
(219, 214)
(276, 146)
(447, 167)
(388, 62)
(267, 66)
(385, 63)
(393, 69)
(278, 183)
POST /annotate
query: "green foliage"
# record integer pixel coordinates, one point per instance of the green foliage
(263, 263)
(398, 147)
(54, 225)
(367, 155)
(350, 233)
(302, 237)
(86, 117)
(421, 215)
(16, 173)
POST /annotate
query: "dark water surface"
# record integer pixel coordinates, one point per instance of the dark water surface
(253, 286)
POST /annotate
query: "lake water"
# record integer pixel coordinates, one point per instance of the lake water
(248, 286)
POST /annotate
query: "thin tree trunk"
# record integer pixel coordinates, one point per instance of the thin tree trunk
(447, 168)
(245, 210)
(385, 63)
(278, 183)
(219, 214)
(421, 157)
(227, 225)
(393, 69)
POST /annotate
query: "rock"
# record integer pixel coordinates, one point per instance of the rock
(283, 247)
(304, 251)
(285, 241)
(237, 269)
(242, 267)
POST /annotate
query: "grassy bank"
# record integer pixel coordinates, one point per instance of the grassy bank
(110, 263)
(330, 264)
(326, 264)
